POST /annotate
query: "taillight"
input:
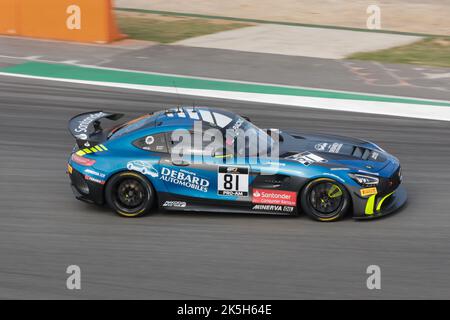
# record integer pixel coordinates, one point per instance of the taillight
(82, 161)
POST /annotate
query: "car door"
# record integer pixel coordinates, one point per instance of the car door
(188, 177)
(214, 179)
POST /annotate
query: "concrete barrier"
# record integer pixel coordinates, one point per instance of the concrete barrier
(72, 20)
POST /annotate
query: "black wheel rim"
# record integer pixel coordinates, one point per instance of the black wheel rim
(130, 195)
(326, 198)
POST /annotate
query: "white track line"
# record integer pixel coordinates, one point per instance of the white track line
(98, 66)
(372, 107)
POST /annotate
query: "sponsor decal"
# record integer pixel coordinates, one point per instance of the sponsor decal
(94, 173)
(144, 167)
(95, 149)
(69, 169)
(321, 146)
(270, 207)
(83, 125)
(232, 181)
(232, 170)
(374, 155)
(185, 179)
(273, 181)
(89, 178)
(307, 158)
(154, 143)
(335, 148)
(339, 169)
(234, 132)
(279, 197)
(237, 126)
(328, 147)
(175, 204)
(368, 191)
(149, 140)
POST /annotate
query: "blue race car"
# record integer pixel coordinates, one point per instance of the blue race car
(224, 163)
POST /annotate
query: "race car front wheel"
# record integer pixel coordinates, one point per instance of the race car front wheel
(129, 194)
(325, 200)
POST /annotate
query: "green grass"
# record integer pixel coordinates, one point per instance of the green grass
(260, 21)
(168, 29)
(431, 52)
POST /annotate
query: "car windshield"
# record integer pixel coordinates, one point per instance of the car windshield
(246, 138)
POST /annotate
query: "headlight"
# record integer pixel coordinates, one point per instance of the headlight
(364, 180)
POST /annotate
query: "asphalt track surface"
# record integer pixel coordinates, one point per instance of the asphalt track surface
(348, 75)
(43, 229)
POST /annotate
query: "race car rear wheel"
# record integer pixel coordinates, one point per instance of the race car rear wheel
(129, 194)
(325, 200)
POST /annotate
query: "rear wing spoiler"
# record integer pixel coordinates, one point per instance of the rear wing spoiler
(86, 127)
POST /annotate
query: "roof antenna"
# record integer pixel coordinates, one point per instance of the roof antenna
(178, 97)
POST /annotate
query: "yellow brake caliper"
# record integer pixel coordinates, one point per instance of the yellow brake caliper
(334, 192)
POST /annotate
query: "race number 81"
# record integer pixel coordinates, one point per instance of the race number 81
(232, 181)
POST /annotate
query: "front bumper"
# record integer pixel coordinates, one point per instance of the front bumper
(378, 206)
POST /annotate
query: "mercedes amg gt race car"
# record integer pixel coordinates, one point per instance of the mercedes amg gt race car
(136, 167)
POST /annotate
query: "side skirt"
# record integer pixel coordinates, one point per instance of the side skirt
(173, 202)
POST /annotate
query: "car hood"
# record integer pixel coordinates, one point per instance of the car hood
(337, 151)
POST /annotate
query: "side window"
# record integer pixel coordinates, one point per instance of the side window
(155, 143)
(204, 147)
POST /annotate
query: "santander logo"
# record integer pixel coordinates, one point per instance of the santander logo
(278, 197)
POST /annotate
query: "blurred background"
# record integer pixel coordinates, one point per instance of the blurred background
(374, 70)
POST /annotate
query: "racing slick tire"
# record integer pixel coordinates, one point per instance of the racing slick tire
(325, 200)
(129, 194)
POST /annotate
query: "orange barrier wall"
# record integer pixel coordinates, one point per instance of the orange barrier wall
(8, 17)
(73, 20)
